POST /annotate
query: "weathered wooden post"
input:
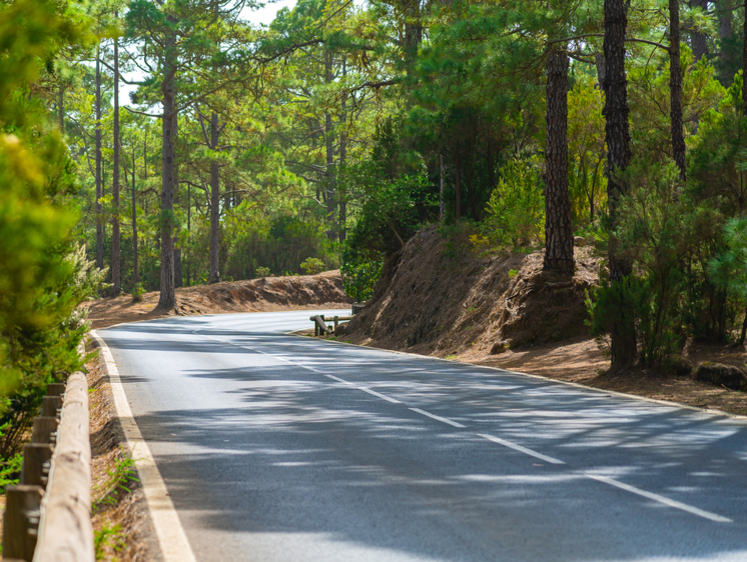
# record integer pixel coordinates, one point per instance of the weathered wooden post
(45, 430)
(36, 457)
(21, 521)
(51, 406)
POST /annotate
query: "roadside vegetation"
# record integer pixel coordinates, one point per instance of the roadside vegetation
(147, 146)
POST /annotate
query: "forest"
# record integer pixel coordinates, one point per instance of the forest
(149, 145)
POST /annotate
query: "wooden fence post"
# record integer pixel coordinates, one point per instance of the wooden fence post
(45, 429)
(51, 406)
(21, 521)
(35, 468)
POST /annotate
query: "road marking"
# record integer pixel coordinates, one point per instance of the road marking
(438, 418)
(519, 448)
(171, 536)
(363, 388)
(379, 395)
(338, 379)
(658, 498)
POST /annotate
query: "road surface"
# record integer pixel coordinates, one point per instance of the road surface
(275, 448)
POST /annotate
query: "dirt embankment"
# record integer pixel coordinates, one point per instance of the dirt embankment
(256, 295)
(447, 299)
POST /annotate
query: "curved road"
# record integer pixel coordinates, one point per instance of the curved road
(282, 448)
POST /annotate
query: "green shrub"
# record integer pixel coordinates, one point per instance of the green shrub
(312, 266)
(516, 209)
(263, 272)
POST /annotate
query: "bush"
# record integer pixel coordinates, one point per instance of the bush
(516, 209)
(263, 272)
(312, 266)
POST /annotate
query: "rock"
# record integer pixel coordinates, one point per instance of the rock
(578, 241)
(717, 374)
(499, 347)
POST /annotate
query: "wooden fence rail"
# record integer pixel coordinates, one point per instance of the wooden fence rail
(48, 516)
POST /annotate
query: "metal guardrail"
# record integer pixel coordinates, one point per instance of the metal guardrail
(320, 323)
(48, 515)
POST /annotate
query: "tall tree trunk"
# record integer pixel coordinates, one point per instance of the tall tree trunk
(725, 28)
(99, 194)
(342, 195)
(675, 90)
(61, 107)
(698, 38)
(214, 205)
(167, 298)
(617, 135)
(413, 32)
(116, 238)
(744, 63)
(558, 231)
(441, 189)
(135, 276)
(330, 153)
(458, 187)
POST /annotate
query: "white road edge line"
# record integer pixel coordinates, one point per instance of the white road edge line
(519, 448)
(438, 418)
(658, 498)
(171, 536)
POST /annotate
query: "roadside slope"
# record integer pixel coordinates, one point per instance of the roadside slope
(256, 295)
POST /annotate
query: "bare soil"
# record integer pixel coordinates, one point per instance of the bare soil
(256, 295)
(449, 299)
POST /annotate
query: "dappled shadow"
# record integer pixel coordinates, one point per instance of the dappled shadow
(287, 464)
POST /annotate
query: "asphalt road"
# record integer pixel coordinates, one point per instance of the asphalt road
(282, 448)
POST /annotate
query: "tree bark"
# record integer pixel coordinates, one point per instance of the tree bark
(167, 298)
(214, 205)
(744, 63)
(698, 38)
(617, 135)
(330, 153)
(675, 91)
(61, 107)
(558, 231)
(725, 28)
(458, 187)
(116, 238)
(99, 194)
(135, 276)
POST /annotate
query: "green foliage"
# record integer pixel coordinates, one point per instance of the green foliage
(119, 479)
(137, 292)
(108, 537)
(312, 266)
(10, 471)
(359, 277)
(516, 209)
(45, 275)
(263, 271)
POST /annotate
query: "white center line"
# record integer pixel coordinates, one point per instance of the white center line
(338, 379)
(519, 448)
(660, 499)
(379, 395)
(438, 418)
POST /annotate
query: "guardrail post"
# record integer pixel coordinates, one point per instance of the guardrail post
(45, 430)
(51, 406)
(21, 521)
(56, 389)
(35, 468)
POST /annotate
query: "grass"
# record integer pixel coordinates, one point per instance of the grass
(120, 476)
(108, 536)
